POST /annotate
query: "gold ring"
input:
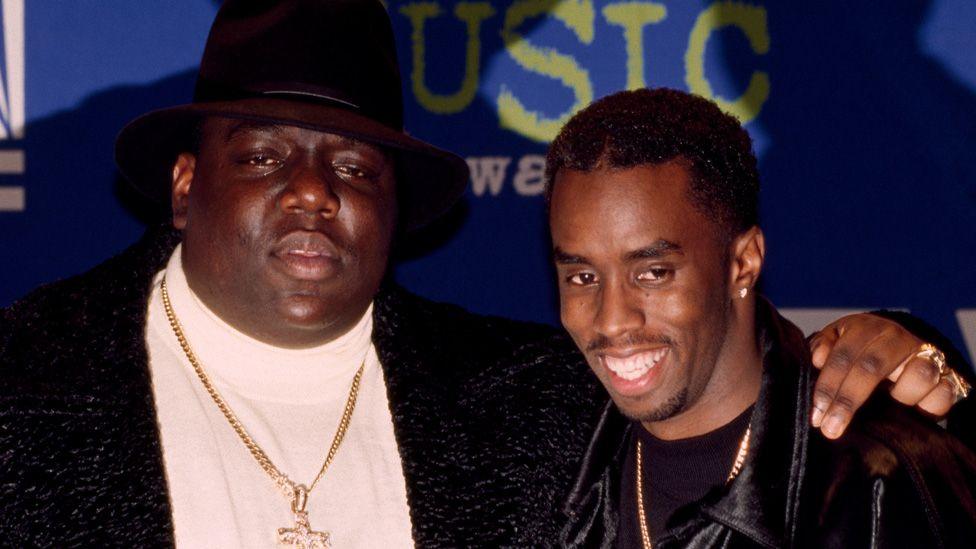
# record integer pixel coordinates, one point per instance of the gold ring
(960, 387)
(934, 355)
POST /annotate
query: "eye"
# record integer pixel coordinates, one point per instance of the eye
(259, 160)
(655, 274)
(354, 171)
(581, 279)
(262, 160)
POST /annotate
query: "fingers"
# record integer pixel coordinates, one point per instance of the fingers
(821, 344)
(860, 358)
(855, 353)
(939, 400)
(918, 379)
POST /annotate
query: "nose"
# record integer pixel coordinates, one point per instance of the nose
(311, 190)
(618, 312)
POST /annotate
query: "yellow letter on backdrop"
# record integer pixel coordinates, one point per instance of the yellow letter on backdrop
(578, 16)
(633, 17)
(751, 20)
(472, 13)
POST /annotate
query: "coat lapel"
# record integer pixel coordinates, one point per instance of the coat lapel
(491, 417)
(427, 423)
(592, 517)
(81, 408)
(762, 502)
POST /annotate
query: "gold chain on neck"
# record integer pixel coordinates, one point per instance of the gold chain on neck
(287, 486)
(740, 458)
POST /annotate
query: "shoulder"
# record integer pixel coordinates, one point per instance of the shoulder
(396, 305)
(901, 476)
(889, 436)
(521, 391)
(116, 278)
(520, 369)
(451, 331)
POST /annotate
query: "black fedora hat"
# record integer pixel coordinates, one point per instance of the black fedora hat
(326, 65)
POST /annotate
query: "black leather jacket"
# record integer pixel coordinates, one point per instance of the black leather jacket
(893, 480)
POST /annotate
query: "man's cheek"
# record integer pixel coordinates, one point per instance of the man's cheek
(578, 336)
(569, 314)
(682, 307)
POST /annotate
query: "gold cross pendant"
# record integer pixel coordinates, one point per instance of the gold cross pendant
(302, 536)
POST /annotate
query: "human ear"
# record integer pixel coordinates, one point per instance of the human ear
(182, 179)
(748, 253)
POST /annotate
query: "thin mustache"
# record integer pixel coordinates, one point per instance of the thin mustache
(600, 343)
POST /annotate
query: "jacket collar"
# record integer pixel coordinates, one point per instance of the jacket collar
(761, 503)
(426, 425)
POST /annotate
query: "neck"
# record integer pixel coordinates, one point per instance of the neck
(258, 370)
(732, 388)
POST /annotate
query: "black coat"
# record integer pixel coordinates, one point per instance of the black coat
(894, 479)
(490, 415)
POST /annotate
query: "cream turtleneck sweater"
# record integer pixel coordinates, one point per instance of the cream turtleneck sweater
(290, 402)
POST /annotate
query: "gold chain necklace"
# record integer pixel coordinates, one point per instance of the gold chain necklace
(740, 458)
(301, 535)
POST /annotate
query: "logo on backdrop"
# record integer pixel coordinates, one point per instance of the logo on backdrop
(12, 196)
(561, 65)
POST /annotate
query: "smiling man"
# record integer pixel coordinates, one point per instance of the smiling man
(654, 220)
(646, 309)
(245, 375)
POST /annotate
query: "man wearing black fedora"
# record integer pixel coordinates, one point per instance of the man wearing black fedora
(245, 375)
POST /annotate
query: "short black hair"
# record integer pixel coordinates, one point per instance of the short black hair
(655, 126)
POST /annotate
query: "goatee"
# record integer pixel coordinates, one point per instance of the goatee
(668, 409)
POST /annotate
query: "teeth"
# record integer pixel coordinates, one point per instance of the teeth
(633, 367)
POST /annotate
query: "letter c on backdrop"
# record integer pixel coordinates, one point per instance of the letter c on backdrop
(751, 20)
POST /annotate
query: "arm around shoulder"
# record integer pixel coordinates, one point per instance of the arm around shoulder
(886, 490)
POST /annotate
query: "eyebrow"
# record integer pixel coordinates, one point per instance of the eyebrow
(660, 248)
(353, 142)
(245, 126)
(563, 258)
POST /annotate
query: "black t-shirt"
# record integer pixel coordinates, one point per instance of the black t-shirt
(676, 473)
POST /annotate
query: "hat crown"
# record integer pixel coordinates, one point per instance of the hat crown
(323, 65)
(338, 52)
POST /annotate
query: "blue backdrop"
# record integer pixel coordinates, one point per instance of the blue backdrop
(863, 114)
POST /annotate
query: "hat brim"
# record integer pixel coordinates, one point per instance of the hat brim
(429, 180)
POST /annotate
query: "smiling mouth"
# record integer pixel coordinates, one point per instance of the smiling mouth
(634, 366)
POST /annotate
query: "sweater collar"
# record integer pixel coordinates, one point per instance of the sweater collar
(252, 368)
